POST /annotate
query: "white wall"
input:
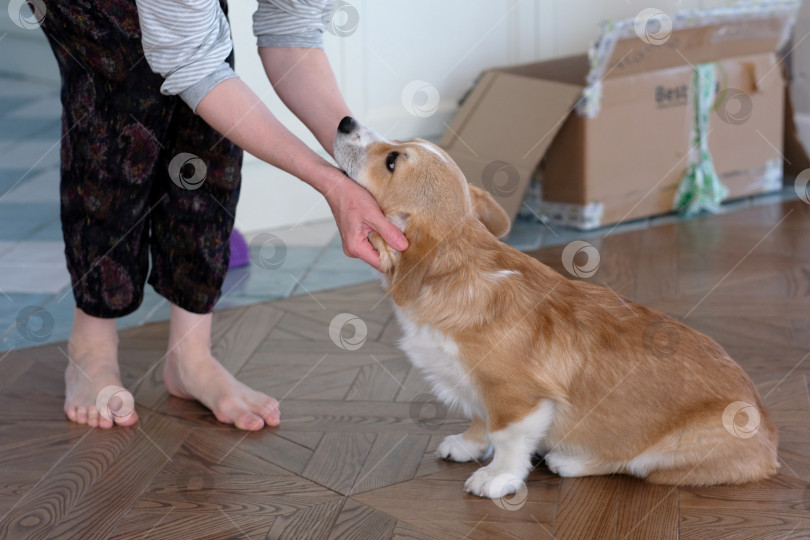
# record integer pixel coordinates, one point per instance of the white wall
(446, 44)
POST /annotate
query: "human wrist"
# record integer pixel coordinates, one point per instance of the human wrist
(328, 180)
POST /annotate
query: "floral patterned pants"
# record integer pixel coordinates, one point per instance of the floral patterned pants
(118, 198)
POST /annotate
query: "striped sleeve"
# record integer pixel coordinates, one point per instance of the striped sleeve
(186, 42)
(290, 23)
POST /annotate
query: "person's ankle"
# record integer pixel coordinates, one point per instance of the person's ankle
(93, 351)
(92, 333)
(189, 351)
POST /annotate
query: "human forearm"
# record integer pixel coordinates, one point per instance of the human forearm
(306, 84)
(234, 110)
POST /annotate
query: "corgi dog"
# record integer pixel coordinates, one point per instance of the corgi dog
(540, 363)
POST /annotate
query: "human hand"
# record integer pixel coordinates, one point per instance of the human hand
(357, 214)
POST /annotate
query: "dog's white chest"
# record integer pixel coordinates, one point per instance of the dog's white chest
(437, 357)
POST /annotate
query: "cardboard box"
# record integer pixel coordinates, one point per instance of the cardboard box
(800, 61)
(610, 135)
(797, 121)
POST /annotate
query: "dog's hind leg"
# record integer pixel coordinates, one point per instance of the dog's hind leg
(724, 459)
(717, 447)
(577, 465)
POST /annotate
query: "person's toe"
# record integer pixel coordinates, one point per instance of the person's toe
(81, 415)
(121, 408)
(105, 423)
(269, 411)
(249, 422)
(127, 419)
(92, 417)
(233, 410)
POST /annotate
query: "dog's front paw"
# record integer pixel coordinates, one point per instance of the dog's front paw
(457, 448)
(486, 482)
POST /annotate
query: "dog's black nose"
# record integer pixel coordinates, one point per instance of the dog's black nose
(347, 125)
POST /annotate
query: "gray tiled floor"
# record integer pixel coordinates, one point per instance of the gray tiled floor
(300, 260)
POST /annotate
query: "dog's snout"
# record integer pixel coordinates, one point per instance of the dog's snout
(347, 125)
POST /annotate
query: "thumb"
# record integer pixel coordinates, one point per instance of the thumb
(390, 233)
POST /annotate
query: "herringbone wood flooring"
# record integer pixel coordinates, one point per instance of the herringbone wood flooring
(353, 457)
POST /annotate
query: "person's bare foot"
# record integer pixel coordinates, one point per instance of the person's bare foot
(191, 372)
(93, 391)
(198, 375)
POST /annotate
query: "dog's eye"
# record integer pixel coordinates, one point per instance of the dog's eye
(391, 161)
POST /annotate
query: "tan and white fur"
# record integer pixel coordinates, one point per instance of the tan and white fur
(540, 363)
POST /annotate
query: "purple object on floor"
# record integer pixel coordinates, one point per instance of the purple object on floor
(240, 252)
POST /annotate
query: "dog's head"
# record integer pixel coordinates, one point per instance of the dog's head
(419, 188)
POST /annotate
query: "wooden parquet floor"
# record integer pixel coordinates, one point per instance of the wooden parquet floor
(353, 457)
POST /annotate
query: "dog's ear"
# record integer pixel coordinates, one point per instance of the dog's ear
(489, 212)
(388, 255)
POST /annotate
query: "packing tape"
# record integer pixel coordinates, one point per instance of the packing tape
(591, 100)
(700, 188)
(772, 179)
(601, 50)
(583, 217)
(580, 216)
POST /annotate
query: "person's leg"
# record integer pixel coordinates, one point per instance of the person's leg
(191, 372)
(112, 119)
(190, 246)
